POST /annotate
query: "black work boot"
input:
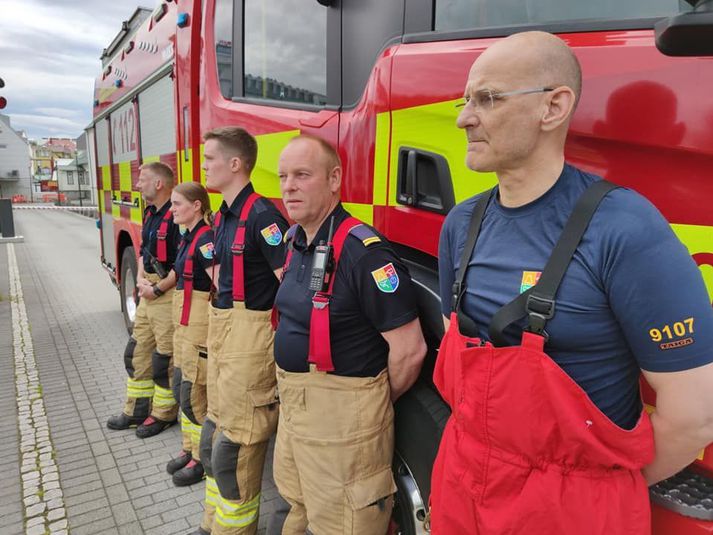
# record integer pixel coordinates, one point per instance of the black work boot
(152, 427)
(200, 531)
(188, 475)
(122, 421)
(179, 462)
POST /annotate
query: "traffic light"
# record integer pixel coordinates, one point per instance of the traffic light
(3, 100)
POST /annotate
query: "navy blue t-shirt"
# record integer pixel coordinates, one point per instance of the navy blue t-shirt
(372, 294)
(632, 297)
(202, 258)
(153, 218)
(264, 251)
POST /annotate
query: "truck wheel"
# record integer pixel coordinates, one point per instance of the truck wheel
(127, 287)
(421, 416)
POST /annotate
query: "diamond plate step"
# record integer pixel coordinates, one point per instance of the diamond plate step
(687, 493)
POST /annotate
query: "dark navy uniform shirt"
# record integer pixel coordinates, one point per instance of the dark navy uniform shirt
(264, 251)
(632, 297)
(372, 294)
(152, 222)
(202, 258)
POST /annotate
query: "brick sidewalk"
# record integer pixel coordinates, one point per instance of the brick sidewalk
(112, 481)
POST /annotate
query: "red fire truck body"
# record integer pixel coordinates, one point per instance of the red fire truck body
(388, 76)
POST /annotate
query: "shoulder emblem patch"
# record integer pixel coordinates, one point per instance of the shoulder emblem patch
(386, 278)
(529, 279)
(207, 250)
(272, 234)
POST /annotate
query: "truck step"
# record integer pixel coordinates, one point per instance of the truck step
(687, 493)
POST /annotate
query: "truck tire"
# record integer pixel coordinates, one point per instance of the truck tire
(127, 287)
(421, 416)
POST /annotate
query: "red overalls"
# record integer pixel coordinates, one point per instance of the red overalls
(525, 450)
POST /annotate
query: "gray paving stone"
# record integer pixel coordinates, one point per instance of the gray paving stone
(56, 514)
(35, 510)
(35, 521)
(131, 529)
(58, 525)
(124, 513)
(36, 530)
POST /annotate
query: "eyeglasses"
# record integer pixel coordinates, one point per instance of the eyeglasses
(485, 98)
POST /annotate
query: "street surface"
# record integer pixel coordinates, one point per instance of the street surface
(110, 482)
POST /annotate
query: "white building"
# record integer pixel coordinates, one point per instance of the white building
(14, 161)
(73, 182)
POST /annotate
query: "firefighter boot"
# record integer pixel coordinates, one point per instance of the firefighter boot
(124, 421)
(152, 427)
(176, 464)
(188, 475)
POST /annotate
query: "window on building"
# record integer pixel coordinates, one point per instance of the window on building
(83, 178)
(285, 62)
(224, 45)
(3, 146)
(70, 178)
(465, 14)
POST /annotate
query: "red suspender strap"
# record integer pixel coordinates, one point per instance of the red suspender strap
(216, 224)
(161, 255)
(320, 346)
(188, 276)
(238, 248)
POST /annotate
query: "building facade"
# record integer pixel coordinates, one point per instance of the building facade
(14, 162)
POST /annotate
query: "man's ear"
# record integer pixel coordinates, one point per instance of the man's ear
(335, 179)
(236, 164)
(560, 104)
(159, 184)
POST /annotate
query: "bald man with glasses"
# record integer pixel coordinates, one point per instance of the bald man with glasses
(554, 298)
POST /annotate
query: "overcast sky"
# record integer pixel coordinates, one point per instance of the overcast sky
(49, 57)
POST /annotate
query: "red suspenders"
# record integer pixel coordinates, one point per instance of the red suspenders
(238, 247)
(320, 346)
(188, 276)
(161, 255)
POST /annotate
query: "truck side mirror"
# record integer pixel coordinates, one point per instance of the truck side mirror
(687, 34)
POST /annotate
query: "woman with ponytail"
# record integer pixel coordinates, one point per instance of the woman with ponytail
(194, 270)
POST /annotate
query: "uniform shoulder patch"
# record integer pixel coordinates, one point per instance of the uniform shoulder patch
(207, 250)
(365, 234)
(386, 278)
(272, 234)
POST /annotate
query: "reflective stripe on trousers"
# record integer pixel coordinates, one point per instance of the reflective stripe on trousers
(229, 515)
(139, 389)
(163, 397)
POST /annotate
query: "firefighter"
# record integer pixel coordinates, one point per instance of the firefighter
(150, 404)
(242, 403)
(551, 316)
(194, 268)
(347, 345)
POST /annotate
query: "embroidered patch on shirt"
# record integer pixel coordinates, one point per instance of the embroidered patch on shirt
(529, 279)
(272, 234)
(386, 278)
(207, 250)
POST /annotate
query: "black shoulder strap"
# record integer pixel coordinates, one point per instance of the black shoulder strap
(466, 324)
(538, 303)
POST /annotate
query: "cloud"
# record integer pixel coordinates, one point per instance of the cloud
(50, 56)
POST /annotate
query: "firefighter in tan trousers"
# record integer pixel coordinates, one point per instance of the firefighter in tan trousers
(348, 344)
(193, 268)
(150, 404)
(242, 402)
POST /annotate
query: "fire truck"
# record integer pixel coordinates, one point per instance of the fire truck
(380, 80)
